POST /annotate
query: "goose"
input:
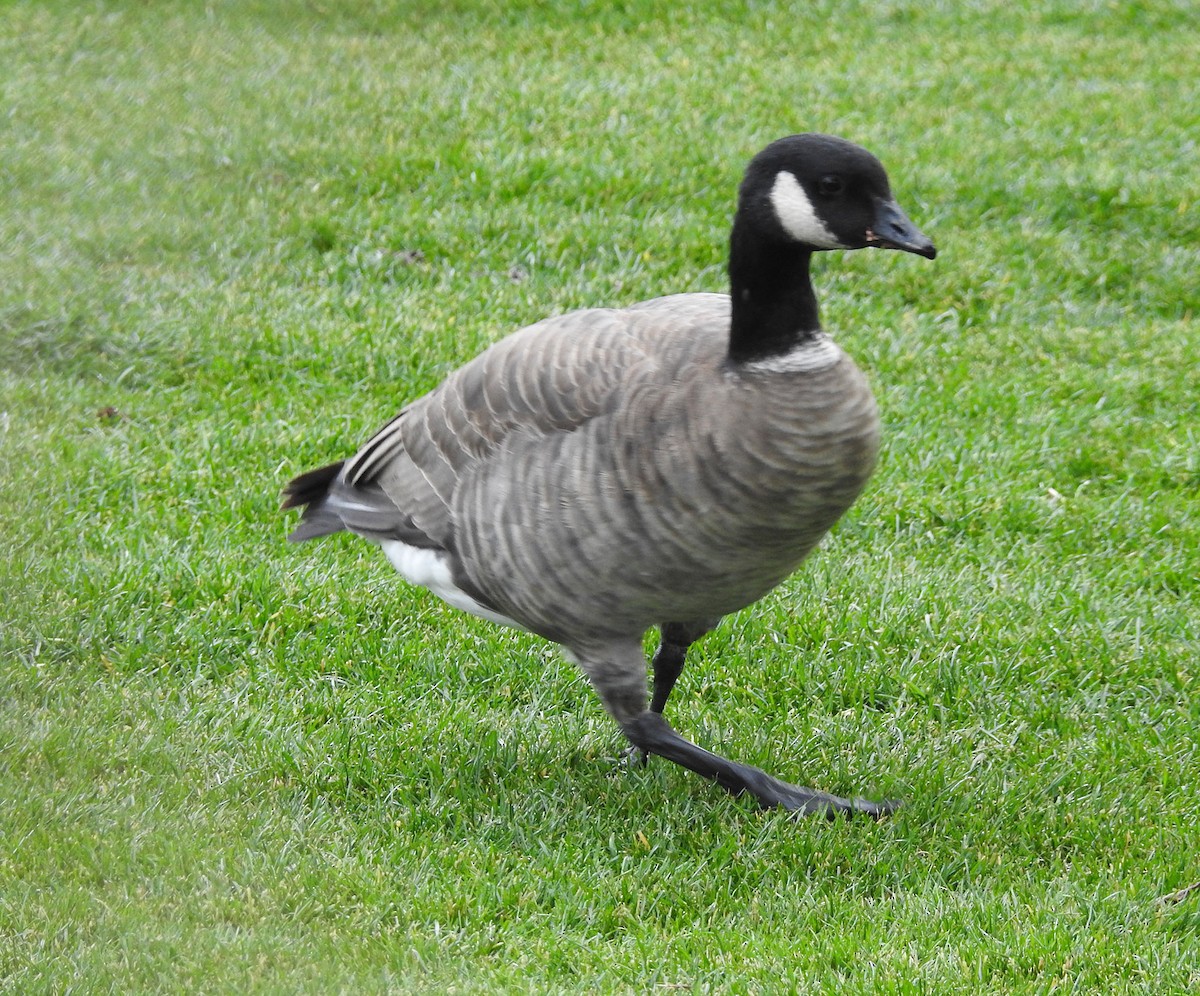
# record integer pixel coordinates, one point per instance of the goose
(611, 470)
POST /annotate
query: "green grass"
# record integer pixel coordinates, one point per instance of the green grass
(228, 765)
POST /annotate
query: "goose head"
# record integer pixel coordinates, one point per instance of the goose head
(822, 192)
(800, 195)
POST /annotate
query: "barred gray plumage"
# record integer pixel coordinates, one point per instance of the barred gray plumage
(609, 470)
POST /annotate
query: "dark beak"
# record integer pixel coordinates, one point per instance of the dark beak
(891, 229)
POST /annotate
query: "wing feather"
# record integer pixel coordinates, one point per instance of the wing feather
(537, 384)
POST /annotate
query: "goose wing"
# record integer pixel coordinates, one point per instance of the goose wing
(546, 380)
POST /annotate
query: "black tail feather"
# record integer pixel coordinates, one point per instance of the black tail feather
(308, 492)
(311, 486)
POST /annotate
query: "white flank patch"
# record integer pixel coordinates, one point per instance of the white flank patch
(428, 569)
(796, 214)
(818, 353)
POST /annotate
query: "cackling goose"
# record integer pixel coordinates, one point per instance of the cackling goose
(665, 464)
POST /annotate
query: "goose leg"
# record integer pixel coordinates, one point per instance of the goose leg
(669, 658)
(617, 671)
(667, 664)
(651, 733)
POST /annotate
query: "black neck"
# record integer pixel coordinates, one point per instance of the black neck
(774, 307)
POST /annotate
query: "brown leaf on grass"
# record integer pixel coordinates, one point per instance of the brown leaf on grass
(1179, 895)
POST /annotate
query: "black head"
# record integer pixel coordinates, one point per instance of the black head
(821, 192)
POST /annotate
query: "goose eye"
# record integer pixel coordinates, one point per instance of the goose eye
(830, 186)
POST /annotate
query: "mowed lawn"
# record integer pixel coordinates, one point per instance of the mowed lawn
(236, 236)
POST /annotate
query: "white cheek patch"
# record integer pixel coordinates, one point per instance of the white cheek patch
(796, 214)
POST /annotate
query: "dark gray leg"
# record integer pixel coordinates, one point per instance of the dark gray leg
(667, 664)
(651, 733)
(670, 656)
(618, 673)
